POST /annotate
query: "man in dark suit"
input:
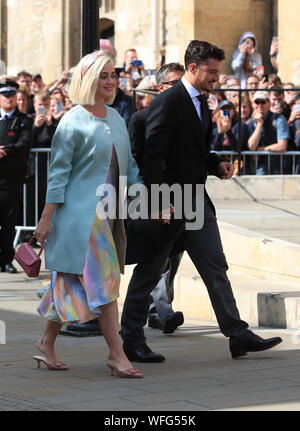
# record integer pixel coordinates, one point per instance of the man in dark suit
(15, 143)
(177, 151)
(161, 314)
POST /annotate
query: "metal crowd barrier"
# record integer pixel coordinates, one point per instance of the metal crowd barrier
(231, 154)
(24, 227)
(239, 153)
(267, 154)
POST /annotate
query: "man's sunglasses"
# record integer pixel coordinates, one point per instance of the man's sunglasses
(260, 102)
(171, 82)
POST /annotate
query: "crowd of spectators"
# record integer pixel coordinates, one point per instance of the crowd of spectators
(270, 120)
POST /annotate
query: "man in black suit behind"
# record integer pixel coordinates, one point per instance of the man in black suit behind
(177, 151)
(161, 314)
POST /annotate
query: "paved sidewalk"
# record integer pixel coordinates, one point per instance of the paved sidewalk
(199, 374)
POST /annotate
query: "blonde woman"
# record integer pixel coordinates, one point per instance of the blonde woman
(84, 250)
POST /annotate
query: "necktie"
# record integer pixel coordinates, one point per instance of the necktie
(202, 100)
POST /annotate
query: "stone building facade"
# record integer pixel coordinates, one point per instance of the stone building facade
(45, 35)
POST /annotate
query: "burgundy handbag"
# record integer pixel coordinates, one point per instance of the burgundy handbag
(28, 259)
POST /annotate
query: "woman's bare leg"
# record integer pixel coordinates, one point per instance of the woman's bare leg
(110, 329)
(47, 340)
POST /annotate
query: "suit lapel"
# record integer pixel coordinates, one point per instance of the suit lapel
(188, 110)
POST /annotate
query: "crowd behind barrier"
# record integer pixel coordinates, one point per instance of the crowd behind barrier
(256, 118)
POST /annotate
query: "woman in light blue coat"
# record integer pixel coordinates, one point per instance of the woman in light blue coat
(85, 250)
(245, 59)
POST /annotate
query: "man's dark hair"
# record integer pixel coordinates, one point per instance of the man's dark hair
(199, 52)
(252, 75)
(277, 93)
(162, 73)
(25, 74)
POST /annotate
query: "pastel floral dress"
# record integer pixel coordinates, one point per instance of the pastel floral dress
(78, 297)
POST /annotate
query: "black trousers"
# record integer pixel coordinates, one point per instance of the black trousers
(205, 250)
(10, 192)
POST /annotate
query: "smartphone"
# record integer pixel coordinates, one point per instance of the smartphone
(260, 69)
(136, 63)
(123, 82)
(42, 110)
(296, 108)
(59, 106)
(226, 113)
(265, 77)
(275, 39)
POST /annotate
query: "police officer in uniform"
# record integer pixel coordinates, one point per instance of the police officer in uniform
(15, 143)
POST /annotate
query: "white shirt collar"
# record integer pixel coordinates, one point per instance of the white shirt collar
(9, 114)
(189, 88)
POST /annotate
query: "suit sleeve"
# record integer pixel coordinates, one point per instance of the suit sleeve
(159, 137)
(137, 130)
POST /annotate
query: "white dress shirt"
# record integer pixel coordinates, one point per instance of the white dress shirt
(193, 94)
(9, 114)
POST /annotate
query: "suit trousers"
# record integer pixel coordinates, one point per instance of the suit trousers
(10, 192)
(205, 250)
(163, 293)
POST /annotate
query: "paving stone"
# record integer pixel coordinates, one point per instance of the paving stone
(9, 402)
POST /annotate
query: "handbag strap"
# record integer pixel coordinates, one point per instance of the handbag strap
(42, 245)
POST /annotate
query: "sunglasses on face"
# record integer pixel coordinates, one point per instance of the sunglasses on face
(260, 102)
(171, 82)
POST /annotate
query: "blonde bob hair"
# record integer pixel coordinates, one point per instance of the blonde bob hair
(83, 89)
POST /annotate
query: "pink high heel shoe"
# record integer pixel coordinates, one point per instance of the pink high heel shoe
(131, 373)
(57, 365)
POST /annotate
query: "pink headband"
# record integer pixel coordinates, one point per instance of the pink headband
(89, 61)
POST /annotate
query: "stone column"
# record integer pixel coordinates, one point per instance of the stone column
(3, 36)
(44, 36)
(289, 36)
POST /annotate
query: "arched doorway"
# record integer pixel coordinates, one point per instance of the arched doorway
(107, 29)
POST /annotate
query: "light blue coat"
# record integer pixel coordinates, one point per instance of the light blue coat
(80, 158)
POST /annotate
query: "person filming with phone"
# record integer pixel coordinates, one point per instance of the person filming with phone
(134, 66)
(225, 131)
(245, 59)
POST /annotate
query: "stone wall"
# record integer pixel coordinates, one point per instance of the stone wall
(289, 36)
(43, 36)
(222, 22)
(218, 21)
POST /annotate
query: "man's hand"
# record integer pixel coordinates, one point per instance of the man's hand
(295, 115)
(2, 152)
(39, 120)
(226, 170)
(165, 216)
(258, 117)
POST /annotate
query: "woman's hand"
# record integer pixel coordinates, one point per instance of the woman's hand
(274, 48)
(226, 123)
(44, 226)
(42, 230)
